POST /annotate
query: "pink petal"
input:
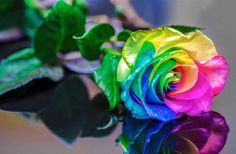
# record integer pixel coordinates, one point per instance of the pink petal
(193, 102)
(178, 106)
(199, 89)
(201, 104)
(216, 71)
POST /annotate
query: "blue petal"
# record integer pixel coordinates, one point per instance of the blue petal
(151, 94)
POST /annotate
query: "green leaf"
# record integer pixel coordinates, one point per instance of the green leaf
(22, 54)
(90, 44)
(16, 71)
(185, 29)
(124, 35)
(105, 77)
(57, 31)
(10, 13)
(71, 113)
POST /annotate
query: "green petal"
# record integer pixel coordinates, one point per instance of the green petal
(139, 71)
(165, 79)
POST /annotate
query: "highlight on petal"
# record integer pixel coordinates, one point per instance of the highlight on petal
(216, 71)
(123, 71)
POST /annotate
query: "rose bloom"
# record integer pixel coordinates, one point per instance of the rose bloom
(202, 134)
(170, 71)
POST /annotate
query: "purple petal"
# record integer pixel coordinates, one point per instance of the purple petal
(196, 129)
(218, 137)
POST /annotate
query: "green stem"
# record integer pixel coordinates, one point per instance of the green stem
(112, 51)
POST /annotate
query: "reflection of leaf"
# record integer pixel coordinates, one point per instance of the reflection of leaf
(16, 72)
(103, 132)
(32, 97)
(57, 31)
(71, 113)
(105, 77)
(99, 109)
(90, 44)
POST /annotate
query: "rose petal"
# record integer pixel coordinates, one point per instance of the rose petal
(198, 46)
(189, 76)
(163, 68)
(202, 104)
(161, 112)
(193, 102)
(196, 91)
(179, 106)
(216, 71)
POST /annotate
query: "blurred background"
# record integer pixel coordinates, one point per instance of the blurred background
(217, 17)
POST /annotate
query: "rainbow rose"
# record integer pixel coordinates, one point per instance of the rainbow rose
(170, 71)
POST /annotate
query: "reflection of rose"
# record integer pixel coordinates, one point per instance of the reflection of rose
(165, 72)
(204, 134)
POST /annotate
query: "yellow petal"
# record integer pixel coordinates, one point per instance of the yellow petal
(199, 46)
(122, 71)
